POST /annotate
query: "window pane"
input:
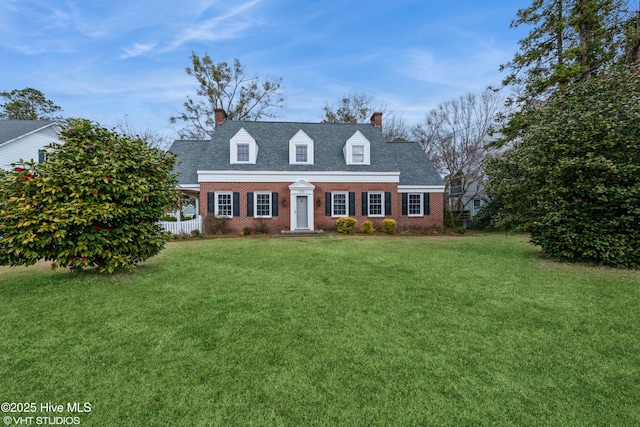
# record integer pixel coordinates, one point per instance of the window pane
(339, 204)
(357, 154)
(224, 205)
(375, 204)
(301, 153)
(263, 204)
(415, 204)
(243, 153)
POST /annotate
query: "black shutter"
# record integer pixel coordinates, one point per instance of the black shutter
(327, 204)
(352, 204)
(427, 208)
(274, 204)
(365, 204)
(405, 204)
(236, 204)
(211, 203)
(249, 204)
(387, 203)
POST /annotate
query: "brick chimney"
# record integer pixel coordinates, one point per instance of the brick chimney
(220, 116)
(376, 120)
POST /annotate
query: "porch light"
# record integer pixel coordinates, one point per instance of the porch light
(284, 202)
(318, 202)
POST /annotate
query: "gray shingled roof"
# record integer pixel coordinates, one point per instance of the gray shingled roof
(11, 129)
(329, 138)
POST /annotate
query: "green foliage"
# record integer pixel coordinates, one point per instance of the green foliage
(27, 104)
(389, 226)
(367, 227)
(346, 225)
(573, 180)
(94, 202)
(461, 230)
(449, 220)
(246, 231)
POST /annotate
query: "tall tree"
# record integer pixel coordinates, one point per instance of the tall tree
(358, 107)
(570, 40)
(243, 97)
(455, 137)
(573, 179)
(27, 104)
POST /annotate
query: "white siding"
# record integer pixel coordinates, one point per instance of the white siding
(27, 147)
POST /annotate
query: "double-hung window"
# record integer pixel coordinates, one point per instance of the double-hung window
(376, 204)
(415, 204)
(301, 154)
(224, 204)
(339, 204)
(243, 152)
(263, 205)
(357, 153)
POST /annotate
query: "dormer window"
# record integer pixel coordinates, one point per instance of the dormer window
(243, 148)
(357, 150)
(243, 152)
(357, 153)
(301, 149)
(301, 154)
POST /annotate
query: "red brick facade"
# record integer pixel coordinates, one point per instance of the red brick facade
(321, 220)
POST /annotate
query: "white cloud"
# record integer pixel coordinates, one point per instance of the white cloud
(225, 26)
(136, 50)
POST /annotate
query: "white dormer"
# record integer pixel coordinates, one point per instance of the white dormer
(243, 149)
(301, 149)
(357, 150)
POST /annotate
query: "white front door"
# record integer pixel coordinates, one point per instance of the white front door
(302, 213)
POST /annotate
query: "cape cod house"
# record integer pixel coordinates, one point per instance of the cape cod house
(300, 177)
(26, 140)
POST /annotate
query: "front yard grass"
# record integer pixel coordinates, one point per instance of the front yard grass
(345, 331)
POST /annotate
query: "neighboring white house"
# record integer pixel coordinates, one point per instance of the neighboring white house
(26, 140)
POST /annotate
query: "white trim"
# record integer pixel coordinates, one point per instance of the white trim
(57, 130)
(194, 187)
(216, 209)
(420, 188)
(300, 139)
(242, 137)
(357, 140)
(382, 203)
(421, 204)
(333, 204)
(289, 176)
(255, 204)
(301, 188)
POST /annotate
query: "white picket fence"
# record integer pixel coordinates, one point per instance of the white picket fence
(182, 227)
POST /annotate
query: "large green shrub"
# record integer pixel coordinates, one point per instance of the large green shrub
(346, 225)
(573, 180)
(96, 201)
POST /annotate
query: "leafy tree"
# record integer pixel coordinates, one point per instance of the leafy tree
(94, 202)
(358, 107)
(455, 137)
(27, 104)
(573, 179)
(569, 41)
(228, 87)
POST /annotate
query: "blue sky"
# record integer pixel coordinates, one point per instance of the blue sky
(102, 60)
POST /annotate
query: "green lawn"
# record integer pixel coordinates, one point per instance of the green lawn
(348, 331)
